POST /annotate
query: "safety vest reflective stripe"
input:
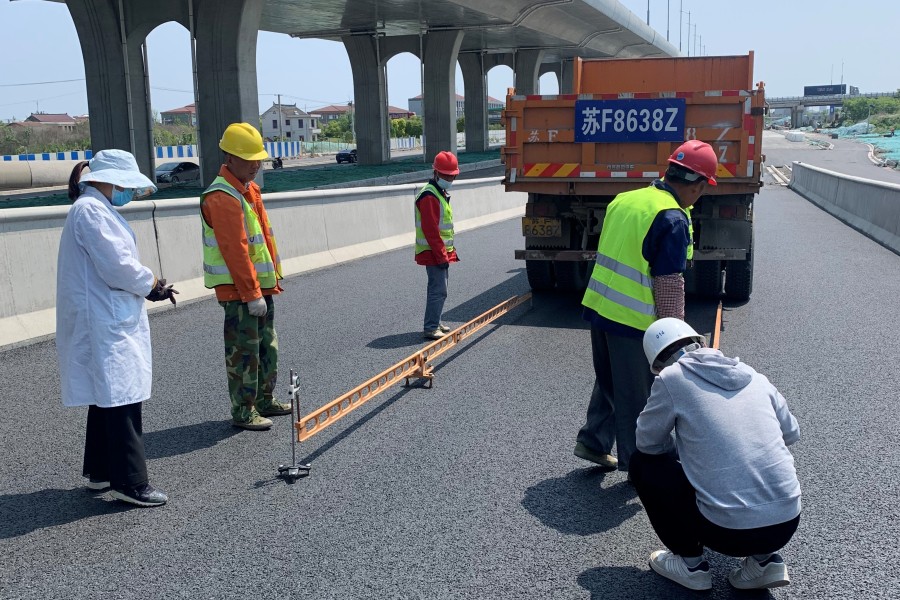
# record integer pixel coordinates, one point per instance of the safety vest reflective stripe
(622, 269)
(623, 299)
(442, 226)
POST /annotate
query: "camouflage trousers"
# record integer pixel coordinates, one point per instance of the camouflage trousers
(251, 357)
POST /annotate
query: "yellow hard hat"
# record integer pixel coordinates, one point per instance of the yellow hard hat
(243, 140)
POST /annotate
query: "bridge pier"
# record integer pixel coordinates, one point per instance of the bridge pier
(527, 69)
(441, 50)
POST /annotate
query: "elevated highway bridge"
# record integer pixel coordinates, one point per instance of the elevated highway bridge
(531, 36)
(469, 489)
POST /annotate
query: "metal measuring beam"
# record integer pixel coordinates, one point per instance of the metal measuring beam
(415, 365)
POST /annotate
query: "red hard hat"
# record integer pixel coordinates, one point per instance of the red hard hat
(445, 163)
(698, 157)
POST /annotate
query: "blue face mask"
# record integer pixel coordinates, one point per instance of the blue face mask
(121, 197)
(444, 184)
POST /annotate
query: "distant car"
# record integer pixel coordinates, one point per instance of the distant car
(177, 172)
(345, 155)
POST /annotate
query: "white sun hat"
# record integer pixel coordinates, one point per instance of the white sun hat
(118, 167)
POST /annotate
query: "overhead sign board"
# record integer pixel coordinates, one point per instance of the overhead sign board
(825, 90)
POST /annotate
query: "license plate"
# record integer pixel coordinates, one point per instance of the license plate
(634, 120)
(541, 227)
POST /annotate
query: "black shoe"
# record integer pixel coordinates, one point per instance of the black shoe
(143, 495)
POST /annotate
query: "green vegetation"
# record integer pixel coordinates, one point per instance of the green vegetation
(882, 113)
(47, 138)
(43, 138)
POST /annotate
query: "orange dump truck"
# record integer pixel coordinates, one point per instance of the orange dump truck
(572, 153)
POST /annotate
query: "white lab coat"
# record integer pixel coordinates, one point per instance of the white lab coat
(102, 332)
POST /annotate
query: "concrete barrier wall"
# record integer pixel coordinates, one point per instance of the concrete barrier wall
(315, 229)
(872, 207)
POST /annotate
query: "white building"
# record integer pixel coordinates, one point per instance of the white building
(288, 123)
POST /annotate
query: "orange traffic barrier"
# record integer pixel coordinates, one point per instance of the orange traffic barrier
(413, 366)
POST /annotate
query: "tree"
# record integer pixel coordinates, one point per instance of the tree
(461, 124)
(414, 127)
(336, 128)
(398, 128)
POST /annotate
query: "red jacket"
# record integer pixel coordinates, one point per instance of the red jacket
(430, 209)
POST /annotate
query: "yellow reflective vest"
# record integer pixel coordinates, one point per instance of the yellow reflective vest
(445, 225)
(620, 288)
(215, 271)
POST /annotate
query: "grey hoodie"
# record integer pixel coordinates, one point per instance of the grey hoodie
(732, 429)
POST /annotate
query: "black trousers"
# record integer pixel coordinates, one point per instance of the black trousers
(671, 505)
(114, 446)
(621, 389)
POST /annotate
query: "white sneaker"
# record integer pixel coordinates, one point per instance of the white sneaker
(434, 334)
(753, 574)
(671, 566)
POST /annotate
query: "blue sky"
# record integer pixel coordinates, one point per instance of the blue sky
(797, 43)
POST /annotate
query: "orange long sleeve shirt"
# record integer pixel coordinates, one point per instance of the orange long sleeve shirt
(226, 217)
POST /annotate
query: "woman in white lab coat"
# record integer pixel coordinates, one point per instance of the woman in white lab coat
(102, 333)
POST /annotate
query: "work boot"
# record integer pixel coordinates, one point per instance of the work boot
(607, 461)
(143, 495)
(273, 408)
(444, 328)
(256, 422)
(671, 566)
(754, 574)
(435, 334)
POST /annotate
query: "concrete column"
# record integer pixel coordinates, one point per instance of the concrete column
(226, 33)
(567, 76)
(475, 80)
(441, 49)
(528, 63)
(369, 99)
(120, 115)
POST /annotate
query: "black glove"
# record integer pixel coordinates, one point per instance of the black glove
(161, 291)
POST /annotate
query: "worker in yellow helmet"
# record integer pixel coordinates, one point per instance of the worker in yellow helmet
(240, 261)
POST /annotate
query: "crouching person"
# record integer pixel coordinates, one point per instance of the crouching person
(726, 481)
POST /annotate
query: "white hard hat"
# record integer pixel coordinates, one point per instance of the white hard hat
(666, 340)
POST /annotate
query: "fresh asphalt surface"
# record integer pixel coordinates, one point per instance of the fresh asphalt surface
(469, 489)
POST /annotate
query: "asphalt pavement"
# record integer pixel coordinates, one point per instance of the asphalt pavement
(468, 489)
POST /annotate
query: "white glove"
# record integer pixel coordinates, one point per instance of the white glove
(257, 308)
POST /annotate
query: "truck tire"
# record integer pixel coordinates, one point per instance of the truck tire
(572, 276)
(540, 275)
(739, 278)
(708, 278)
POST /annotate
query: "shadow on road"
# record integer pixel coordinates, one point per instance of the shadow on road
(24, 513)
(187, 438)
(397, 340)
(574, 504)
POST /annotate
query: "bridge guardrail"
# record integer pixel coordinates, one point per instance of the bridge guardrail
(872, 207)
